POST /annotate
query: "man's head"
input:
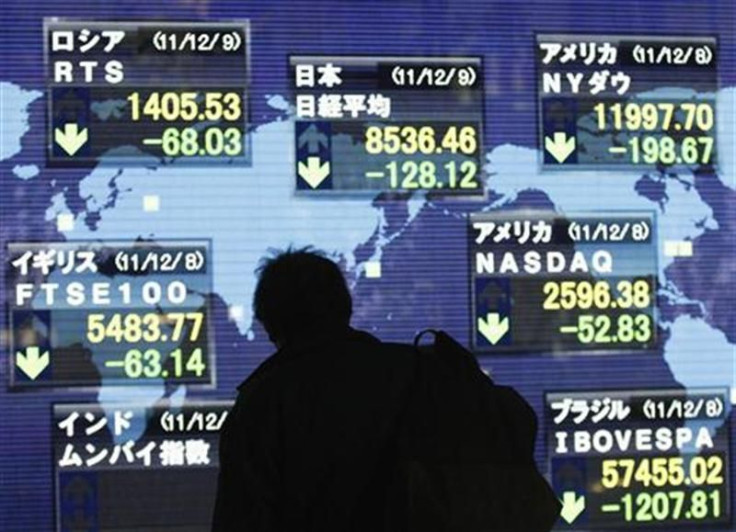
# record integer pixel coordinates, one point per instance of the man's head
(300, 292)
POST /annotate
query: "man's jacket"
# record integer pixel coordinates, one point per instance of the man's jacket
(344, 433)
(307, 444)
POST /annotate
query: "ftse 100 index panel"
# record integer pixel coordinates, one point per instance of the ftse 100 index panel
(84, 313)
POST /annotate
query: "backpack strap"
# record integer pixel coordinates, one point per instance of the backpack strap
(449, 352)
(418, 338)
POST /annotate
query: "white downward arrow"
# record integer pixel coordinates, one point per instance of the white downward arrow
(572, 506)
(493, 328)
(560, 147)
(314, 172)
(32, 362)
(70, 138)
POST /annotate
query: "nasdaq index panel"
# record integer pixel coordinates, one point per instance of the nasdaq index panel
(553, 183)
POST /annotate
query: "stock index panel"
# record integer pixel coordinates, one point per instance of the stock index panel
(552, 183)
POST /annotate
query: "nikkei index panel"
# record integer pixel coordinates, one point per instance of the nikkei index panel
(393, 124)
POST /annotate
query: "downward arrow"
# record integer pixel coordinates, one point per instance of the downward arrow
(32, 362)
(493, 328)
(314, 172)
(572, 506)
(70, 139)
(560, 147)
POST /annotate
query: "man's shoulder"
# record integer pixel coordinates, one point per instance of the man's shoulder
(350, 349)
(355, 347)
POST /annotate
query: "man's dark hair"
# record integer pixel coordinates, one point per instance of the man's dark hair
(300, 290)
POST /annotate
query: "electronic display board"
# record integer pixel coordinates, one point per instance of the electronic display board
(131, 90)
(609, 100)
(126, 313)
(553, 183)
(625, 459)
(416, 122)
(164, 453)
(574, 281)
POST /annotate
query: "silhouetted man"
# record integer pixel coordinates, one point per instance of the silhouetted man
(338, 432)
(308, 445)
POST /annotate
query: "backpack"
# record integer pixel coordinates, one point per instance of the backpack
(464, 452)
